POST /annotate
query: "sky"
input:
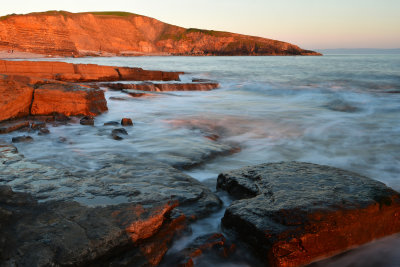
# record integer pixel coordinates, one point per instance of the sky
(311, 24)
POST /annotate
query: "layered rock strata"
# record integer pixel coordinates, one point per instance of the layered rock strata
(120, 33)
(164, 87)
(69, 72)
(294, 213)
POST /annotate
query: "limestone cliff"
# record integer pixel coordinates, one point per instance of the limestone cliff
(119, 33)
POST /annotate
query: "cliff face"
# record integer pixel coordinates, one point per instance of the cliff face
(118, 33)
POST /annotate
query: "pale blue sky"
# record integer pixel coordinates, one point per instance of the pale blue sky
(311, 24)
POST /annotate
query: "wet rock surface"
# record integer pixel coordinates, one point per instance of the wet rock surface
(164, 87)
(293, 213)
(67, 233)
(7, 127)
(87, 120)
(126, 211)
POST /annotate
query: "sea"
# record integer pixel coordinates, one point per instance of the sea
(341, 110)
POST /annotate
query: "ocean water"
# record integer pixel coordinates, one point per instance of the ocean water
(337, 110)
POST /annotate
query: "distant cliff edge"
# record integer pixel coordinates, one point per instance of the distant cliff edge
(60, 33)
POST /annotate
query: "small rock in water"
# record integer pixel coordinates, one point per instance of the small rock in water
(119, 131)
(12, 126)
(87, 120)
(111, 123)
(62, 139)
(43, 131)
(38, 125)
(117, 137)
(116, 133)
(126, 122)
(23, 138)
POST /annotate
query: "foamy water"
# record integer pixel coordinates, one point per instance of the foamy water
(342, 111)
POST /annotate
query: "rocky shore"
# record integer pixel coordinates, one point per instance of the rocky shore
(129, 210)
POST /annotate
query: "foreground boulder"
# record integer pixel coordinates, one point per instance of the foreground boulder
(67, 233)
(68, 99)
(294, 213)
(16, 98)
(124, 213)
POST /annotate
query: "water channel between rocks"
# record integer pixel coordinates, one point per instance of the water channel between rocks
(341, 111)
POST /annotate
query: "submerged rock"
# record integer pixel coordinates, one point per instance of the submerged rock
(293, 213)
(111, 123)
(22, 139)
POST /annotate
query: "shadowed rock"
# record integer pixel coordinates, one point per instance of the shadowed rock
(87, 120)
(128, 212)
(22, 139)
(294, 213)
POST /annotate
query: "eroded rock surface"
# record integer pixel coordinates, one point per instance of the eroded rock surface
(125, 212)
(68, 99)
(294, 213)
(16, 98)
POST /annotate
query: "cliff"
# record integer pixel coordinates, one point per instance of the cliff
(60, 33)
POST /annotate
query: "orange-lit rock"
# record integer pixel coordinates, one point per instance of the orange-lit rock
(82, 72)
(16, 98)
(120, 33)
(294, 213)
(68, 99)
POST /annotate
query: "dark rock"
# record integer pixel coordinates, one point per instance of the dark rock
(111, 123)
(117, 137)
(118, 98)
(126, 122)
(342, 106)
(214, 245)
(7, 127)
(62, 139)
(66, 233)
(119, 131)
(87, 120)
(38, 125)
(43, 131)
(294, 213)
(20, 139)
(129, 211)
(61, 118)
